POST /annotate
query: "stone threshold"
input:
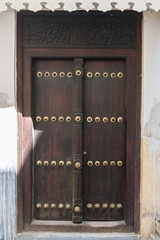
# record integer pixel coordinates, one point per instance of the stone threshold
(77, 236)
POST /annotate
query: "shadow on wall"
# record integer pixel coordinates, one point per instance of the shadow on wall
(8, 166)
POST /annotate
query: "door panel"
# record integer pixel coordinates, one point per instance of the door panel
(104, 140)
(108, 42)
(53, 98)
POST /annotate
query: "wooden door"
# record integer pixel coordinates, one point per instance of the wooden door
(104, 139)
(79, 106)
(52, 112)
(62, 92)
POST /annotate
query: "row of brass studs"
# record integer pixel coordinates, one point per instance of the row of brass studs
(105, 163)
(104, 205)
(105, 119)
(78, 73)
(53, 163)
(105, 75)
(77, 209)
(78, 119)
(77, 164)
(54, 74)
(60, 119)
(53, 206)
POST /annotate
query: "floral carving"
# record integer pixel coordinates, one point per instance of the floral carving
(81, 31)
(44, 33)
(112, 34)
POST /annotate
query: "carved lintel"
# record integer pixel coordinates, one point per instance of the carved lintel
(81, 31)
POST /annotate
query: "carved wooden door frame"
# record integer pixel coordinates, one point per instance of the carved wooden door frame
(132, 56)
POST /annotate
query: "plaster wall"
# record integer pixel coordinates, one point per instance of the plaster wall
(150, 135)
(8, 126)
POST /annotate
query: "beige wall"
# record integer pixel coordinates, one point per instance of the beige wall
(8, 126)
(150, 140)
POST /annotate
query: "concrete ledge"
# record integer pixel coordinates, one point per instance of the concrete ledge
(77, 236)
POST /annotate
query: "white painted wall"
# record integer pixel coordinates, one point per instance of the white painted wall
(8, 126)
(150, 149)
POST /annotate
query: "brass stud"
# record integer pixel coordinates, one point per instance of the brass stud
(119, 205)
(61, 163)
(89, 205)
(46, 205)
(61, 206)
(89, 119)
(68, 119)
(53, 205)
(68, 163)
(112, 205)
(54, 74)
(77, 118)
(78, 73)
(90, 163)
(53, 163)
(104, 205)
(77, 209)
(61, 119)
(38, 205)
(38, 118)
(46, 163)
(96, 205)
(89, 74)
(68, 206)
(113, 75)
(69, 74)
(113, 119)
(105, 74)
(62, 74)
(97, 163)
(46, 119)
(39, 163)
(119, 163)
(77, 165)
(47, 74)
(97, 119)
(53, 118)
(112, 163)
(120, 119)
(105, 119)
(39, 74)
(105, 163)
(120, 74)
(97, 74)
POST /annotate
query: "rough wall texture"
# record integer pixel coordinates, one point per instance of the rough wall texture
(150, 148)
(8, 127)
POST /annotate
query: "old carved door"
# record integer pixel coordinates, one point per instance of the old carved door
(79, 123)
(79, 119)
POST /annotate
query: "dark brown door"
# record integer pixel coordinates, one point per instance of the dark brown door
(79, 94)
(53, 138)
(55, 96)
(104, 140)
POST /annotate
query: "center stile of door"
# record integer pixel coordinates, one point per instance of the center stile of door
(79, 128)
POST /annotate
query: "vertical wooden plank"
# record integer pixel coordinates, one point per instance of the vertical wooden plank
(138, 125)
(77, 148)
